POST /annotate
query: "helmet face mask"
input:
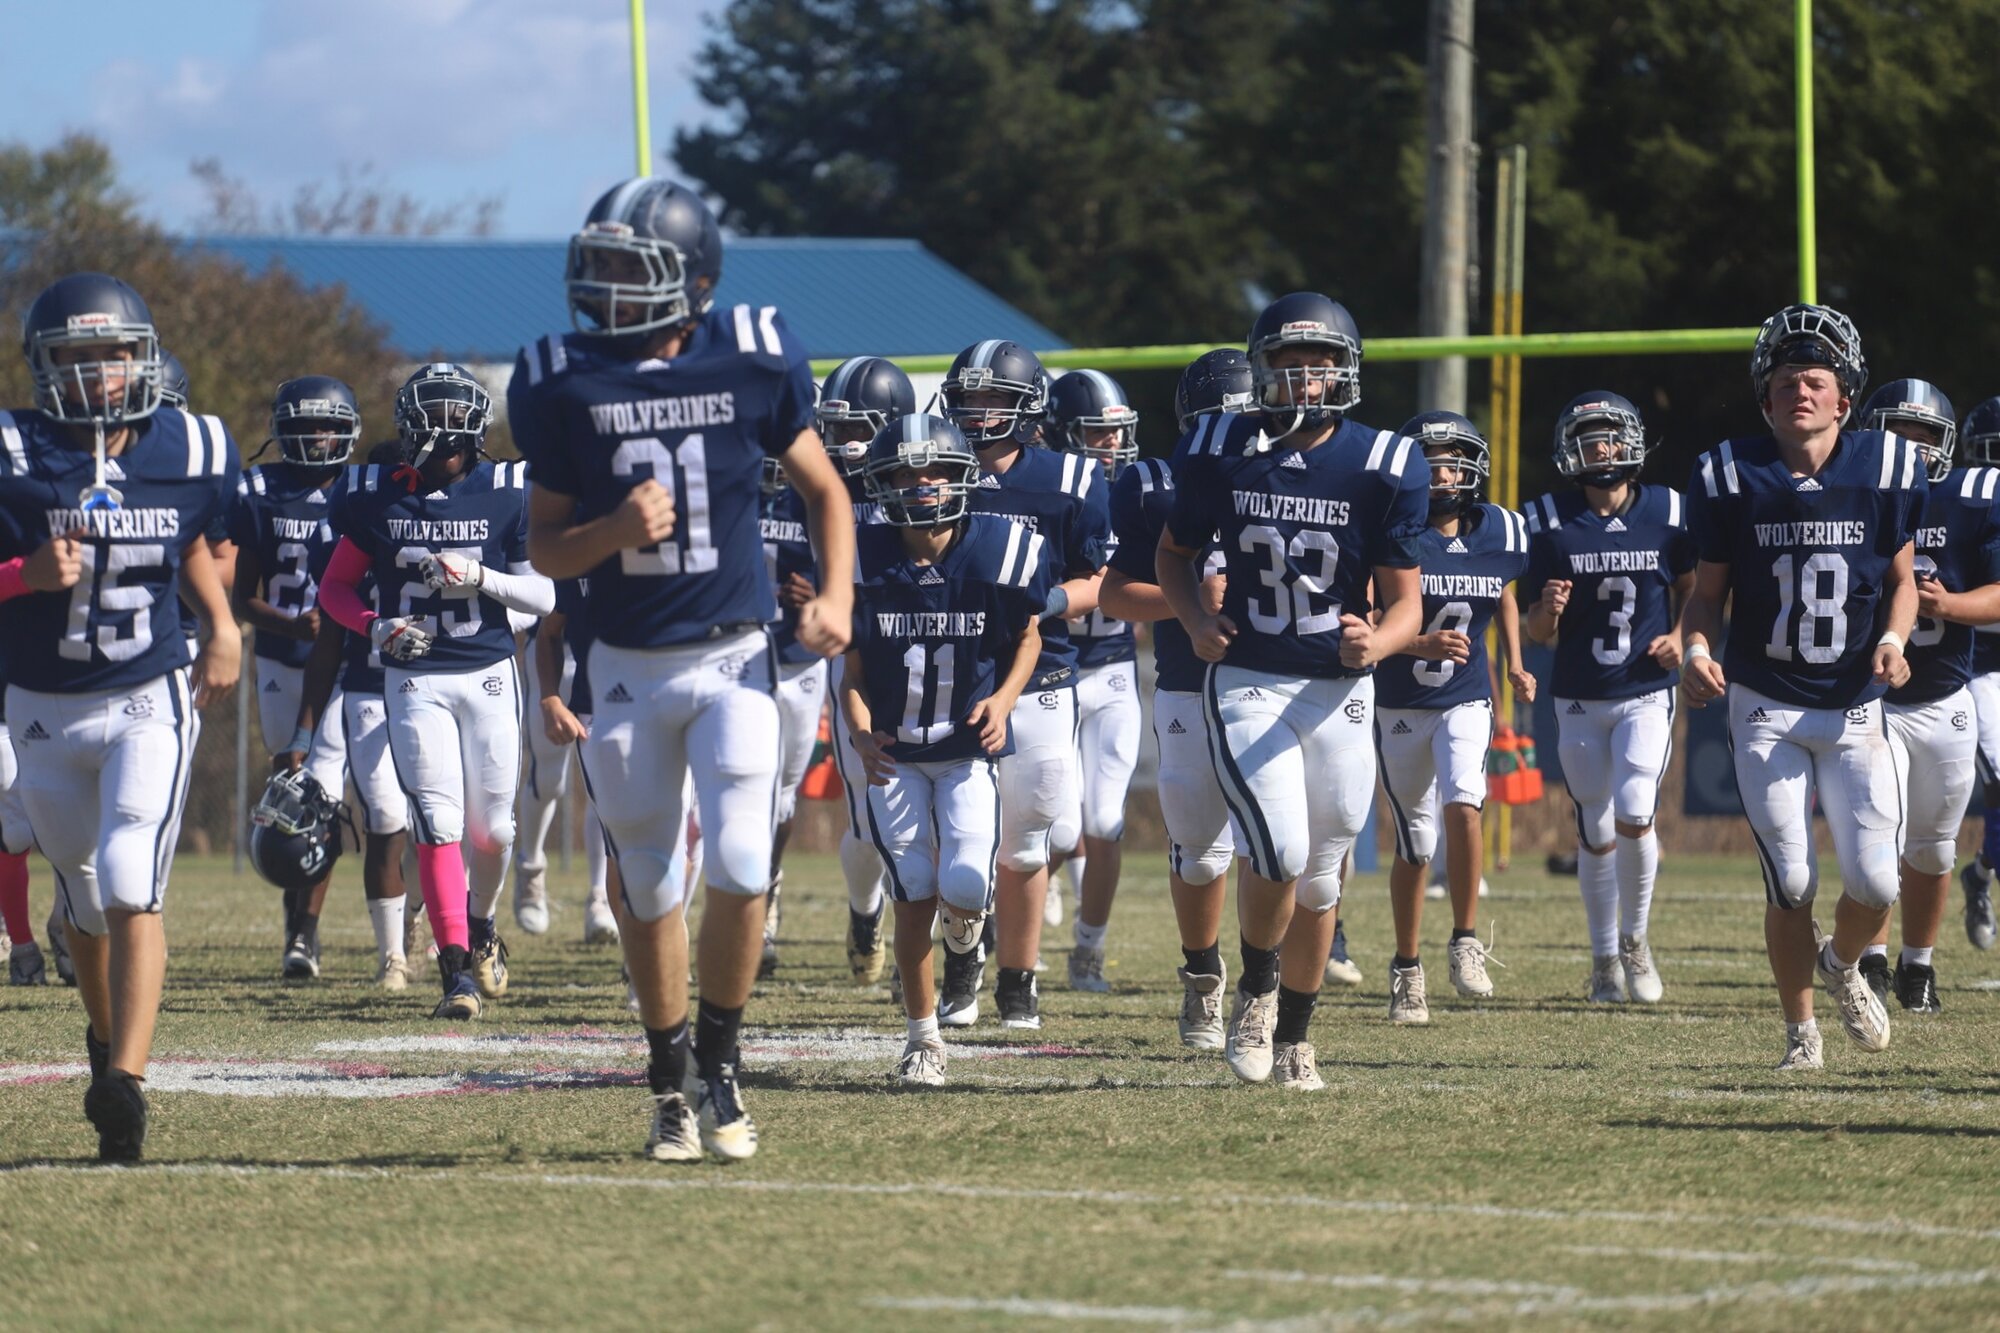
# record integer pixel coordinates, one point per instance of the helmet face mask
(1305, 361)
(294, 831)
(1600, 440)
(1979, 434)
(996, 393)
(1809, 335)
(442, 411)
(860, 397)
(1458, 456)
(771, 477)
(1918, 411)
(93, 352)
(315, 422)
(647, 258)
(931, 447)
(1090, 415)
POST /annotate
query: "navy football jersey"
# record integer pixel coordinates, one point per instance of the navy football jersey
(701, 424)
(1958, 544)
(1463, 577)
(1100, 640)
(281, 516)
(120, 625)
(1808, 558)
(787, 550)
(361, 660)
(573, 603)
(1063, 497)
(482, 516)
(1622, 570)
(936, 639)
(1141, 500)
(1302, 532)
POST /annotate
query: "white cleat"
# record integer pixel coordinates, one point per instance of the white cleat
(1642, 979)
(1086, 971)
(1052, 904)
(600, 923)
(1607, 980)
(674, 1137)
(726, 1128)
(922, 1065)
(531, 898)
(394, 974)
(1468, 968)
(1296, 1067)
(1252, 1019)
(1802, 1052)
(1200, 1019)
(1343, 972)
(1862, 1015)
(1407, 1000)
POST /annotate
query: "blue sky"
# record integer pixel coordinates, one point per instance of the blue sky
(530, 99)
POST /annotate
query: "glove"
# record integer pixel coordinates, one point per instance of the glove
(446, 571)
(400, 638)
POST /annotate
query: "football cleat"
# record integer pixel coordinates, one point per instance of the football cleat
(1019, 1003)
(1340, 969)
(413, 923)
(1252, 1018)
(1200, 1020)
(1978, 886)
(301, 959)
(958, 1004)
(1468, 968)
(1052, 904)
(25, 966)
(1915, 985)
(394, 974)
(97, 1052)
(1862, 1016)
(461, 1000)
(767, 957)
(531, 898)
(1407, 1001)
(118, 1108)
(922, 1065)
(1802, 1052)
(1086, 971)
(1607, 980)
(1874, 968)
(59, 949)
(1642, 979)
(726, 1128)
(867, 951)
(489, 965)
(1295, 1067)
(774, 912)
(674, 1136)
(600, 923)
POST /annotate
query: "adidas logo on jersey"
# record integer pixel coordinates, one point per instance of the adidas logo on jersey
(271, 687)
(1174, 728)
(619, 694)
(1293, 459)
(930, 575)
(1401, 728)
(1615, 525)
(1758, 715)
(1575, 708)
(988, 482)
(35, 732)
(1456, 547)
(1809, 484)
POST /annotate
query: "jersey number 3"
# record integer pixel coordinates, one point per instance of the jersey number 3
(1294, 604)
(683, 470)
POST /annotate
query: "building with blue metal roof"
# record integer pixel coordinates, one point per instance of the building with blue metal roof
(478, 300)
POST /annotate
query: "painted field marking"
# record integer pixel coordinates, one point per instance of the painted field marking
(1408, 1286)
(1857, 1265)
(856, 1045)
(1022, 1308)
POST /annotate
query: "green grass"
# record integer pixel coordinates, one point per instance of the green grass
(1527, 1162)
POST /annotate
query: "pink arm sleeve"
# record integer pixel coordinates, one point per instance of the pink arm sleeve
(13, 582)
(339, 587)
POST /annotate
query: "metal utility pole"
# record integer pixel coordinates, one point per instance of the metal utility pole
(1447, 199)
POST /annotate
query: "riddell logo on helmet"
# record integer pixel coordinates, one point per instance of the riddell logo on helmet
(84, 323)
(1304, 326)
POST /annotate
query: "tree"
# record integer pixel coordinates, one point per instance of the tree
(353, 205)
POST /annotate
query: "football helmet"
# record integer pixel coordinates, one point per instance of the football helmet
(1217, 381)
(771, 476)
(1809, 335)
(173, 381)
(925, 441)
(1309, 319)
(316, 421)
(860, 397)
(1086, 401)
(1594, 418)
(1450, 440)
(294, 831)
(1980, 433)
(89, 309)
(648, 257)
(1903, 403)
(999, 366)
(440, 410)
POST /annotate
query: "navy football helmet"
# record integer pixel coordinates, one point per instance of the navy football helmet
(860, 397)
(1084, 403)
(316, 421)
(1600, 439)
(441, 410)
(1310, 395)
(1980, 433)
(90, 309)
(294, 831)
(1004, 367)
(928, 442)
(1901, 404)
(649, 257)
(771, 476)
(1450, 441)
(1809, 335)
(174, 390)
(1217, 381)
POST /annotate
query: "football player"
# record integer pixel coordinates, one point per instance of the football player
(1808, 532)
(1930, 717)
(445, 537)
(996, 393)
(646, 430)
(105, 500)
(284, 538)
(801, 693)
(561, 647)
(1608, 565)
(945, 640)
(1200, 844)
(1307, 507)
(860, 397)
(1434, 704)
(1979, 435)
(1091, 416)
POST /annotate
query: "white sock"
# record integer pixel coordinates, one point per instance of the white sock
(1073, 872)
(386, 915)
(1879, 950)
(1833, 961)
(1809, 1028)
(1916, 957)
(1090, 937)
(1638, 861)
(1597, 879)
(862, 865)
(596, 859)
(924, 1029)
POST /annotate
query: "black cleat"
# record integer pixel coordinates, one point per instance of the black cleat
(1016, 997)
(1916, 988)
(98, 1051)
(116, 1106)
(958, 1003)
(1875, 971)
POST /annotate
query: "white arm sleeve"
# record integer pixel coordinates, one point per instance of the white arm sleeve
(521, 589)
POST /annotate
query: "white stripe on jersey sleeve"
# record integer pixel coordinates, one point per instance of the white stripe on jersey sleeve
(371, 476)
(746, 335)
(767, 328)
(194, 443)
(1729, 469)
(1674, 508)
(1403, 443)
(1013, 550)
(1069, 474)
(1708, 474)
(10, 436)
(216, 435)
(1910, 459)
(1031, 561)
(1992, 476)
(1086, 480)
(531, 357)
(1382, 438)
(1889, 443)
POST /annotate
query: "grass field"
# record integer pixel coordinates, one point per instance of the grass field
(1527, 1162)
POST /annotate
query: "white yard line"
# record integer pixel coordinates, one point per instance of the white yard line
(1407, 1286)
(1858, 1265)
(1022, 1308)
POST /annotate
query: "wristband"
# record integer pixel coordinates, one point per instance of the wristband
(13, 579)
(1057, 604)
(1696, 651)
(1888, 637)
(301, 742)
